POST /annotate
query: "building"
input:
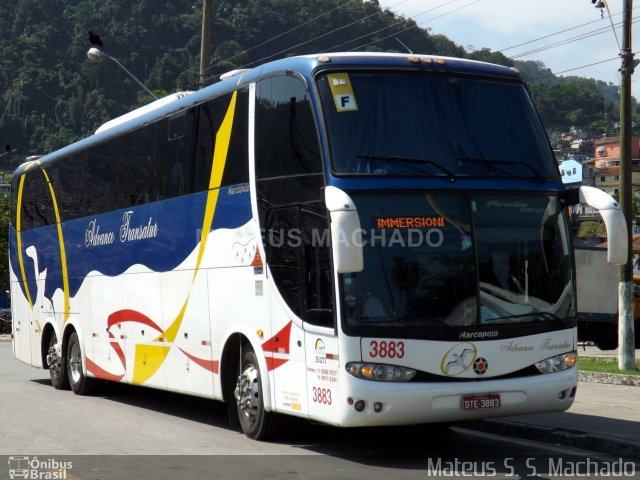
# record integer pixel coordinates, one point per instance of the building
(607, 164)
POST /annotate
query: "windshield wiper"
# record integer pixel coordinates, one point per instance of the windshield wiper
(542, 316)
(491, 164)
(408, 322)
(417, 322)
(415, 160)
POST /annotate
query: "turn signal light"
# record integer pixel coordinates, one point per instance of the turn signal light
(380, 373)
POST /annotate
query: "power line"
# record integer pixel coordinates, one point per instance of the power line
(278, 36)
(555, 33)
(289, 31)
(585, 66)
(415, 26)
(368, 34)
(350, 24)
(583, 36)
(313, 39)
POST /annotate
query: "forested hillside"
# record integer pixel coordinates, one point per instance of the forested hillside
(50, 94)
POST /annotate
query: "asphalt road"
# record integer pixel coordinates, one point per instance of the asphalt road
(133, 432)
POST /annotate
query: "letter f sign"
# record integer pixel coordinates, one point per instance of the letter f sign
(345, 102)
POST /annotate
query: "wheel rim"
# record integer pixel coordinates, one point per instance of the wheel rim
(248, 394)
(75, 363)
(53, 360)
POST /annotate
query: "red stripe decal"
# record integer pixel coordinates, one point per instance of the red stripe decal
(118, 349)
(273, 363)
(211, 365)
(101, 373)
(279, 343)
(122, 316)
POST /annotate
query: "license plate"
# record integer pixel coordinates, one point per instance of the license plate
(481, 401)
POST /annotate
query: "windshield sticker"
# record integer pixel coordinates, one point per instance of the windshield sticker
(342, 92)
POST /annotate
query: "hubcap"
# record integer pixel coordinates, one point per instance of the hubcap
(247, 393)
(75, 363)
(53, 360)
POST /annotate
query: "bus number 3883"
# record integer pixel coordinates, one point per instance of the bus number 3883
(385, 349)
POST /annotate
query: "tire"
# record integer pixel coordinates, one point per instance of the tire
(56, 365)
(255, 421)
(80, 384)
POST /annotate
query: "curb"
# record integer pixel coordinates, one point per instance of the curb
(570, 438)
(611, 378)
(5, 338)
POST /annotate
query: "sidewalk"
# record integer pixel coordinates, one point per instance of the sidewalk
(605, 416)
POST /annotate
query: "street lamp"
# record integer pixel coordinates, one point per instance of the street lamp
(96, 55)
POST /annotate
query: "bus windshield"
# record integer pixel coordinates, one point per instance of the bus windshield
(460, 260)
(407, 123)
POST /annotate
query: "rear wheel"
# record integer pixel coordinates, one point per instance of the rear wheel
(55, 364)
(80, 384)
(255, 421)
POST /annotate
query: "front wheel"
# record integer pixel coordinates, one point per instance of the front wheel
(80, 384)
(255, 421)
(55, 364)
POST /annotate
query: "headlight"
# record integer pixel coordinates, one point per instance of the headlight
(379, 372)
(557, 363)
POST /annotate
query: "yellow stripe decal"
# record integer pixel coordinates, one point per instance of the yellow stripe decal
(19, 241)
(63, 257)
(149, 358)
(63, 254)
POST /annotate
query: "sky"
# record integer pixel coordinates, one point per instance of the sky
(505, 25)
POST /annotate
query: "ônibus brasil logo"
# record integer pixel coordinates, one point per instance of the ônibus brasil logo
(36, 469)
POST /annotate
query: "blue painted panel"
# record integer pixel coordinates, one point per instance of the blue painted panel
(158, 235)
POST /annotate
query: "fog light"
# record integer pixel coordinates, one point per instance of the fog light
(377, 407)
(359, 405)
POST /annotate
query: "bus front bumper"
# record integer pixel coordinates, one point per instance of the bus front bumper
(369, 403)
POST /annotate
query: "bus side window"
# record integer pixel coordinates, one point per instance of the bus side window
(135, 174)
(37, 206)
(289, 182)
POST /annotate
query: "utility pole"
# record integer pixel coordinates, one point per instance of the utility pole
(626, 337)
(205, 42)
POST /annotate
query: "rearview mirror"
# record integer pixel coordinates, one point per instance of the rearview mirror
(614, 221)
(346, 234)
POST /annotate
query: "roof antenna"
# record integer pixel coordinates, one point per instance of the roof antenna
(400, 42)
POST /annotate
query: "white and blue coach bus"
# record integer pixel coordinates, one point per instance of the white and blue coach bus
(354, 239)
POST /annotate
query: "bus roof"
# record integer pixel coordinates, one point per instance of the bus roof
(306, 65)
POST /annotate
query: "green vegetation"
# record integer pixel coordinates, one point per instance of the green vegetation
(603, 365)
(51, 95)
(5, 200)
(592, 228)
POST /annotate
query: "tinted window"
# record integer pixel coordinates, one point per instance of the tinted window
(166, 159)
(37, 207)
(286, 142)
(425, 124)
(290, 203)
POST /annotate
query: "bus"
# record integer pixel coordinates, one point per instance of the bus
(356, 239)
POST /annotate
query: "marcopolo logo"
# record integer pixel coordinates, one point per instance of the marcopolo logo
(37, 469)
